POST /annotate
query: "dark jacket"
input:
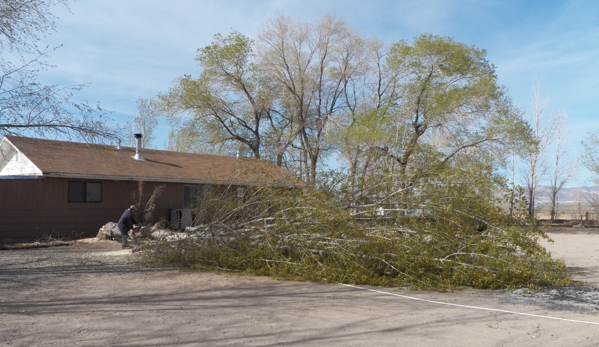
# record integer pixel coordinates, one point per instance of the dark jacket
(126, 222)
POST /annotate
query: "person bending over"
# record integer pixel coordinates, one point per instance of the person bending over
(126, 223)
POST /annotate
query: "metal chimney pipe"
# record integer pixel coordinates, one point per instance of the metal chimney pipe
(138, 147)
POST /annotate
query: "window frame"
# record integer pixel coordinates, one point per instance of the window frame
(196, 192)
(86, 196)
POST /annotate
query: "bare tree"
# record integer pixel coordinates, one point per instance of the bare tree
(591, 197)
(590, 154)
(24, 22)
(563, 168)
(30, 109)
(26, 106)
(312, 65)
(590, 159)
(535, 160)
(146, 121)
(146, 203)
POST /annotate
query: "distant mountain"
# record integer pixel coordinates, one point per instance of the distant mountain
(568, 195)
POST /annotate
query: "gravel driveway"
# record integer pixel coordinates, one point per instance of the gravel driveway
(75, 258)
(93, 294)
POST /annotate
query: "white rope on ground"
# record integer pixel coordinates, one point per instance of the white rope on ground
(473, 307)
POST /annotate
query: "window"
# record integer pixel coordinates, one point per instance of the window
(85, 192)
(193, 194)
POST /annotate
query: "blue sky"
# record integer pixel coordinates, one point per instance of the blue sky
(136, 48)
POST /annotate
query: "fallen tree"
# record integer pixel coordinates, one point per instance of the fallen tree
(305, 235)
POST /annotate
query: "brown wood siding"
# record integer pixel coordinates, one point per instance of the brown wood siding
(33, 208)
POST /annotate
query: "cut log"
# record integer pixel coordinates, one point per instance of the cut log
(110, 231)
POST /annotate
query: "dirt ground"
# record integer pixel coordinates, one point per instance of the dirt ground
(91, 294)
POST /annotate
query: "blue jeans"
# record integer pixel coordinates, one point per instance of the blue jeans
(124, 236)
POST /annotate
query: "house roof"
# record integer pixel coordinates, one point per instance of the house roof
(81, 160)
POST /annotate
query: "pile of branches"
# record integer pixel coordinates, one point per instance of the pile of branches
(305, 235)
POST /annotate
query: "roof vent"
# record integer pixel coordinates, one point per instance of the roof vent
(137, 155)
(118, 145)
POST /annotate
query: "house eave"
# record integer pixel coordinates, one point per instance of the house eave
(21, 177)
(160, 179)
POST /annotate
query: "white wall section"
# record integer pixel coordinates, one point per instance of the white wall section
(15, 163)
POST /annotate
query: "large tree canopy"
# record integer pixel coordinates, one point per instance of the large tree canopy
(305, 94)
(228, 101)
(417, 132)
(276, 97)
(441, 106)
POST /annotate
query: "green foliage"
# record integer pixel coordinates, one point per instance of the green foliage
(423, 127)
(229, 101)
(304, 92)
(302, 235)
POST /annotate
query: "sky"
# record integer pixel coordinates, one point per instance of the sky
(126, 49)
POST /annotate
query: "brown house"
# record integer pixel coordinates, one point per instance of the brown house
(58, 187)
